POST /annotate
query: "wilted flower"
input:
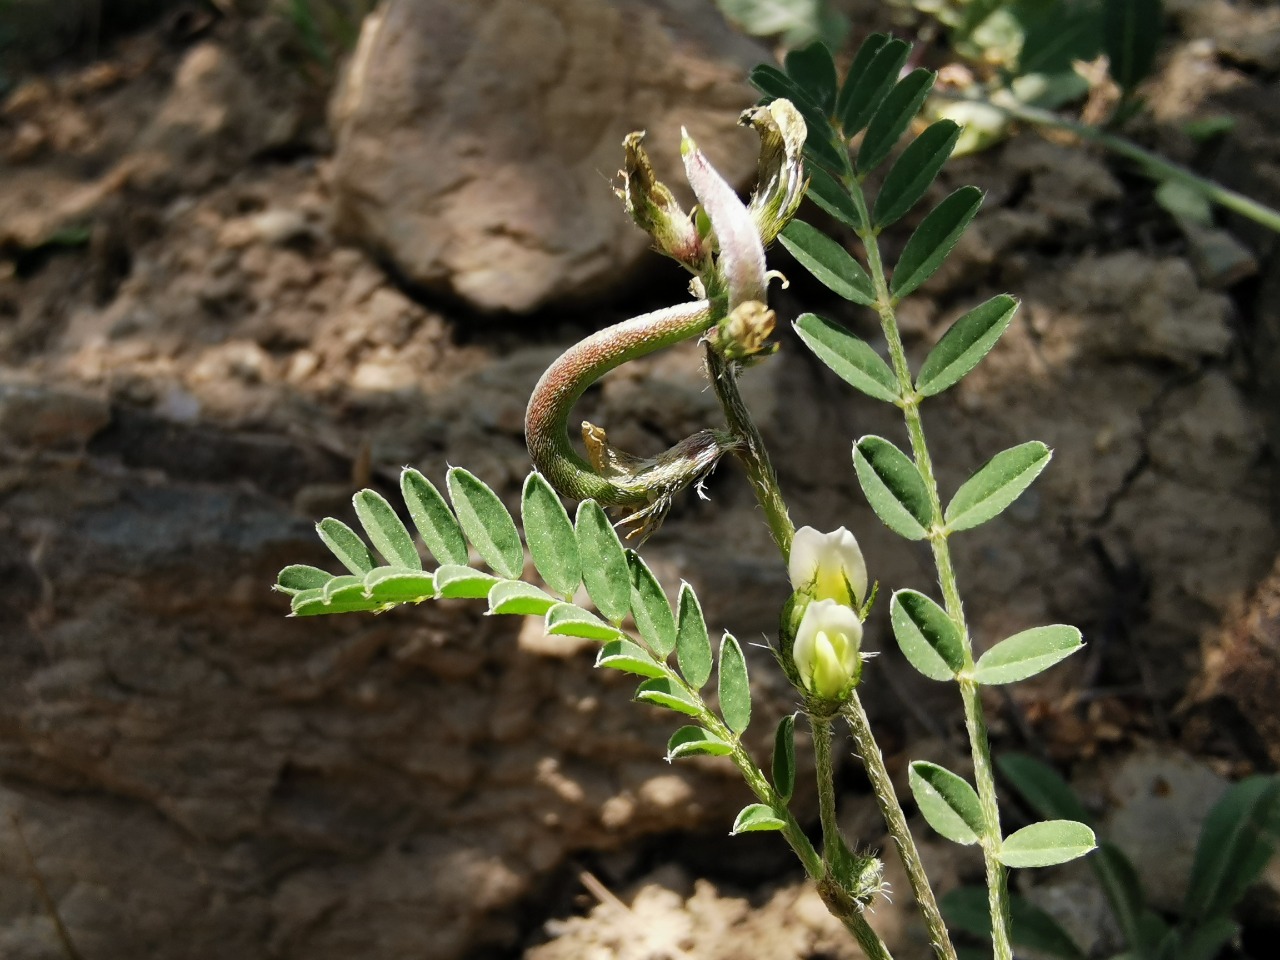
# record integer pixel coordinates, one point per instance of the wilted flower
(826, 652)
(828, 566)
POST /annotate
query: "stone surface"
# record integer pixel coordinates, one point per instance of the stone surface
(476, 139)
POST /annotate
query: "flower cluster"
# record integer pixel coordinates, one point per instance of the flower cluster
(829, 574)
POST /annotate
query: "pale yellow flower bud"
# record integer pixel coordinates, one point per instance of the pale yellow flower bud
(827, 653)
(827, 566)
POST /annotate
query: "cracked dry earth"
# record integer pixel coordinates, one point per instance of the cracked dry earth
(187, 773)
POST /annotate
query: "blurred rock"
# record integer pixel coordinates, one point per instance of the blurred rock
(39, 416)
(475, 140)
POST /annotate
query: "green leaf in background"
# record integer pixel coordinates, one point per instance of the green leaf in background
(829, 262)
(1206, 941)
(1047, 843)
(1119, 881)
(796, 21)
(389, 536)
(650, 607)
(827, 192)
(1130, 36)
(486, 523)
(665, 692)
(967, 341)
(929, 639)
(570, 620)
(914, 172)
(436, 523)
(758, 816)
(1030, 928)
(1042, 787)
(848, 356)
(455, 582)
(1027, 653)
(694, 741)
(893, 486)
(893, 117)
(1184, 202)
(693, 645)
(947, 802)
(604, 562)
(815, 72)
(343, 542)
(937, 234)
(520, 598)
(629, 657)
(1056, 34)
(297, 577)
(996, 484)
(1233, 848)
(734, 686)
(872, 75)
(385, 585)
(550, 536)
(784, 757)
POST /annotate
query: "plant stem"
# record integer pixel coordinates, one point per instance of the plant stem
(896, 821)
(1153, 164)
(821, 727)
(751, 451)
(997, 892)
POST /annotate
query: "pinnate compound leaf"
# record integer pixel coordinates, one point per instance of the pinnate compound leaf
(830, 263)
(893, 116)
(757, 817)
(734, 687)
(435, 521)
(850, 357)
(1027, 653)
(570, 620)
(928, 638)
(457, 582)
(871, 76)
(629, 657)
(947, 802)
(937, 234)
(996, 484)
(389, 536)
(298, 577)
(693, 644)
(388, 585)
(1047, 843)
(893, 486)
(913, 172)
(650, 607)
(967, 341)
(549, 532)
(666, 692)
(520, 598)
(1054, 35)
(1030, 928)
(694, 741)
(1130, 38)
(784, 757)
(1233, 848)
(344, 543)
(604, 562)
(827, 192)
(486, 523)
(815, 72)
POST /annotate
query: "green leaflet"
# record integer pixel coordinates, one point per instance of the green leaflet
(604, 563)
(892, 118)
(784, 757)
(693, 644)
(695, 741)
(967, 341)
(650, 607)
(829, 262)
(1027, 653)
(996, 484)
(735, 687)
(849, 357)
(435, 521)
(389, 536)
(550, 535)
(914, 172)
(1047, 843)
(947, 802)
(756, 817)
(929, 639)
(872, 74)
(893, 486)
(929, 245)
(343, 542)
(486, 523)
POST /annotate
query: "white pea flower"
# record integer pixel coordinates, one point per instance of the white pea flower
(827, 649)
(827, 566)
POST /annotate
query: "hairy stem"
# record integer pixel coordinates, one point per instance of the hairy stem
(896, 821)
(821, 727)
(750, 449)
(997, 891)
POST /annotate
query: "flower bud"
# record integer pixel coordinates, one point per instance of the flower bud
(781, 180)
(654, 209)
(826, 651)
(828, 566)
